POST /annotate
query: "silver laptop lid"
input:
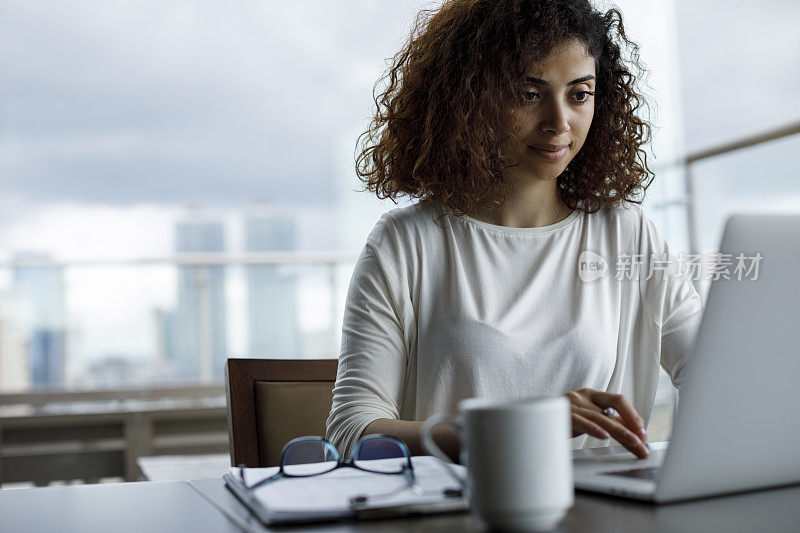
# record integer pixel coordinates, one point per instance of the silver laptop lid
(738, 424)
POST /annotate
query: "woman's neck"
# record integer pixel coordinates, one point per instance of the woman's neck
(536, 206)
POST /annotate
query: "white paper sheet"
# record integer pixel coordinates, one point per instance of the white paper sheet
(329, 495)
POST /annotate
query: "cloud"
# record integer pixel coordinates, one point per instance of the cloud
(740, 67)
(186, 101)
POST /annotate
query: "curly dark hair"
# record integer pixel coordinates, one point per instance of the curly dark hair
(442, 118)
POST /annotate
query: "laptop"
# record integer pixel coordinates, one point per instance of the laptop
(738, 422)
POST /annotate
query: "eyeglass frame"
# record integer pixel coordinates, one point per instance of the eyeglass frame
(407, 469)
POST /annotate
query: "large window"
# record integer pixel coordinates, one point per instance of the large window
(177, 185)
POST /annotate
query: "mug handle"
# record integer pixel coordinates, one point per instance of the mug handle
(430, 446)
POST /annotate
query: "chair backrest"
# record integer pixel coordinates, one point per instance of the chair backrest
(271, 401)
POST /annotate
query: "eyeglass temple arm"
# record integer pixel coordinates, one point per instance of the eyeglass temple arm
(264, 481)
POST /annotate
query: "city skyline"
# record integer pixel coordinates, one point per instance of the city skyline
(268, 325)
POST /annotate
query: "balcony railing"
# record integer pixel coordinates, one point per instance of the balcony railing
(693, 158)
(91, 436)
(53, 435)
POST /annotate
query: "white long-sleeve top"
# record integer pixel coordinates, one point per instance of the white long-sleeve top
(441, 311)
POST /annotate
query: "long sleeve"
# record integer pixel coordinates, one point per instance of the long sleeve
(672, 302)
(373, 358)
(675, 348)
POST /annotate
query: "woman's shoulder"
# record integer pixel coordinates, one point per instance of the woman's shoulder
(404, 223)
(626, 223)
(418, 214)
(630, 226)
(623, 216)
(623, 213)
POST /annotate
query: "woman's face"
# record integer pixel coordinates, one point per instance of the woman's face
(556, 107)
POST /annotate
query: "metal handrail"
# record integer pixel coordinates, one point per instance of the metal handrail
(688, 161)
(191, 259)
(745, 142)
(42, 398)
(730, 146)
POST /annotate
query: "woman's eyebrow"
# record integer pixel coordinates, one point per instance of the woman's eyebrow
(540, 81)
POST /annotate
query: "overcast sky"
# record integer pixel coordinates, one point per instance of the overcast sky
(123, 104)
(740, 67)
(185, 101)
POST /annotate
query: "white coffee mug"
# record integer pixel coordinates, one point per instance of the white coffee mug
(518, 458)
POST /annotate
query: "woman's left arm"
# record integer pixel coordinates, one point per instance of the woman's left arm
(670, 300)
(675, 348)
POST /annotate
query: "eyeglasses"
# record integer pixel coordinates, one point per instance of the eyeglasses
(313, 456)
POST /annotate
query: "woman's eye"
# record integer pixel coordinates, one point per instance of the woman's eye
(531, 96)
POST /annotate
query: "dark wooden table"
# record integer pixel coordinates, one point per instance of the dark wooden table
(206, 505)
(776, 510)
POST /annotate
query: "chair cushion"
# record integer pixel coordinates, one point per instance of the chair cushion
(285, 410)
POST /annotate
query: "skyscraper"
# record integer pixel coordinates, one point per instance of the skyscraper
(15, 314)
(272, 289)
(199, 340)
(42, 285)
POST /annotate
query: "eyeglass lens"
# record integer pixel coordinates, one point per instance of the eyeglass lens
(380, 455)
(309, 458)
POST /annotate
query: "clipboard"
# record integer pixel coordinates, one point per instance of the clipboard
(347, 494)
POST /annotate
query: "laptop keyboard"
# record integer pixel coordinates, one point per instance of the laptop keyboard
(650, 473)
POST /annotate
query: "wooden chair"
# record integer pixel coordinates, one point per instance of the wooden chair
(271, 401)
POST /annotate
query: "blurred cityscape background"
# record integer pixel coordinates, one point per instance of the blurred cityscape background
(105, 322)
(177, 179)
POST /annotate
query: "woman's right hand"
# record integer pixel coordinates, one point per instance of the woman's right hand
(626, 426)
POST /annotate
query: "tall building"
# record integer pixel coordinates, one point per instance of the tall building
(198, 342)
(41, 285)
(14, 333)
(272, 298)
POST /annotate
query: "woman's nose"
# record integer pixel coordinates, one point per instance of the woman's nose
(555, 119)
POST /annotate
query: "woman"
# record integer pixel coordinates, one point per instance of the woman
(514, 124)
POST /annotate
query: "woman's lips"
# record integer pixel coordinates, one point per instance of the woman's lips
(553, 152)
